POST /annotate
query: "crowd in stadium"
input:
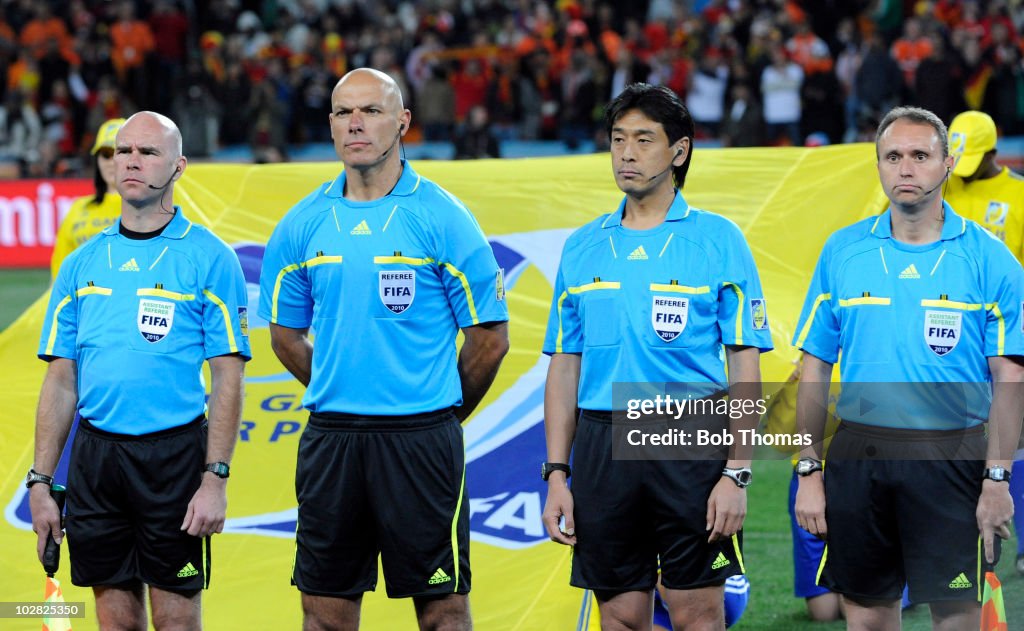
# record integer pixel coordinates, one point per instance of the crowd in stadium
(752, 72)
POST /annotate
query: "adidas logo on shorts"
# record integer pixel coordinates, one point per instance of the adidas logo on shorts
(188, 570)
(720, 562)
(961, 582)
(439, 577)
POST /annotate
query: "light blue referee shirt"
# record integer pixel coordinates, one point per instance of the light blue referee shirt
(920, 314)
(139, 317)
(655, 305)
(386, 285)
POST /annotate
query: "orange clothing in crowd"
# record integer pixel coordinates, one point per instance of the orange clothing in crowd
(37, 33)
(810, 52)
(908, 54)
(132, 41)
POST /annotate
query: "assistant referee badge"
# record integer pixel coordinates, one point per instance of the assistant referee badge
(942, 330)
(155, 319)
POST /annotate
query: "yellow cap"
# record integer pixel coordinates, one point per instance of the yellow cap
(106, 134)
(971, 135)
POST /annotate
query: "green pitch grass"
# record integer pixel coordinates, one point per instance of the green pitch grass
(767, 545)
(19, 288)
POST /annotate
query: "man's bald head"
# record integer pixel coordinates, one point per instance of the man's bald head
(168, 128)
(363, 77)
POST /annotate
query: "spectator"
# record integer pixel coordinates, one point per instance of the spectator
(911, 49)
(821, 96)
(437, 106)
(780, 88)
(878, 83)
(743, 125)
(476, 140)
(132, 42)
(170, 30)
(20, 132)
(939, 82)
(706, 95)
(579, 98)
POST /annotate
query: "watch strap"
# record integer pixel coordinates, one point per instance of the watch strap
(34, 477)
(220, 469)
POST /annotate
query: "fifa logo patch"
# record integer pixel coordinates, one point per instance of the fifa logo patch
(759, 313)
(243, 320)
(995, 214)
(942, 330)
(669, 316)
(397, 290)
(155, 319)
(499, 284)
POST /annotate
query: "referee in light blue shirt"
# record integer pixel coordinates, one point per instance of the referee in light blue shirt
(925, 309)
(133, 314)
(383, 268)
(649, 293)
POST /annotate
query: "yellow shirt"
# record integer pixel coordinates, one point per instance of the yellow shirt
(996, 203)
(83, 221)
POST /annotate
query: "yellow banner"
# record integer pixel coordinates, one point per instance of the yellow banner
(787, 201)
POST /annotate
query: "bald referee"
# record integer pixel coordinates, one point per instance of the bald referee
(387, 267)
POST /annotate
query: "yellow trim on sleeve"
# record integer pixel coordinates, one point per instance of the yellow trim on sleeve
(405, 260)
(604, 284)
(51, 340)
(1001, 339)
(810, 318)
(227, 318)
(952, 304)
(163, 293)
(739, 311)
(454, 271)
(680, 289)
(93, 291)
(558, 339)
(865, 300)
(313, 262)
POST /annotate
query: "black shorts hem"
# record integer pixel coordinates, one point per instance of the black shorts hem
(422, 594)
(617, 589)
(325, 594)
(716, 582)
(852, 594)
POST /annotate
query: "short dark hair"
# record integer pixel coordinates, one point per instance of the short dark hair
(916, 115)
(661, 105)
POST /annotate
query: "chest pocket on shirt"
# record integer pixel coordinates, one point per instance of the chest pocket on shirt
(161, 320)
(675, 312)
(873, 321)
(945, 323)
(599, 308)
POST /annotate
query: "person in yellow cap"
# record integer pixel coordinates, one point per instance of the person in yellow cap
(981, 189)
(993, 196)
(91, 213)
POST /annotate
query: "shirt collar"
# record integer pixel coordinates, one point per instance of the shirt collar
(678, 211)
(406, 185)
(952, 227)
(177, 228)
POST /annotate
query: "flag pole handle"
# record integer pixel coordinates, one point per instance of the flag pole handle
(51, 553)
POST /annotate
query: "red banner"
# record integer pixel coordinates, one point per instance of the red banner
(30, 211)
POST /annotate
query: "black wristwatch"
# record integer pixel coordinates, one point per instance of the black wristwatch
(219, 469)
(742, 476)
(997, 474)
(806, 466)
(548, 468)
(34, 477)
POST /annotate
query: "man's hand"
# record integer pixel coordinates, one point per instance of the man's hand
(209, 505)
(45, 517)
(810, 505)
(727, 507)
(559, 504)
(995, 510)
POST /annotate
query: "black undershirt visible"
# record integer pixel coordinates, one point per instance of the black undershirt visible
(140, 236)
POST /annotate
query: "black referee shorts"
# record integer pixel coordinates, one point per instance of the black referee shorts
(388, 486)
(908, 520)
(631, 513)
(126, 499)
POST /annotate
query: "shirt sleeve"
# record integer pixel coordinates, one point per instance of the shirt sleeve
(742, 310)
(565, 329)
(472, 279)
(60, 328)
(225, 307)
(1004, 303)
(817, 331)
(285, 291)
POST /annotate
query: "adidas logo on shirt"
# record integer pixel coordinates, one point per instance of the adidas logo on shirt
(720, 562)
(910, 272)
(439, 577)
(187, 571)
(362, 228)
(638, 254)
(960, 582)
(130, 266)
